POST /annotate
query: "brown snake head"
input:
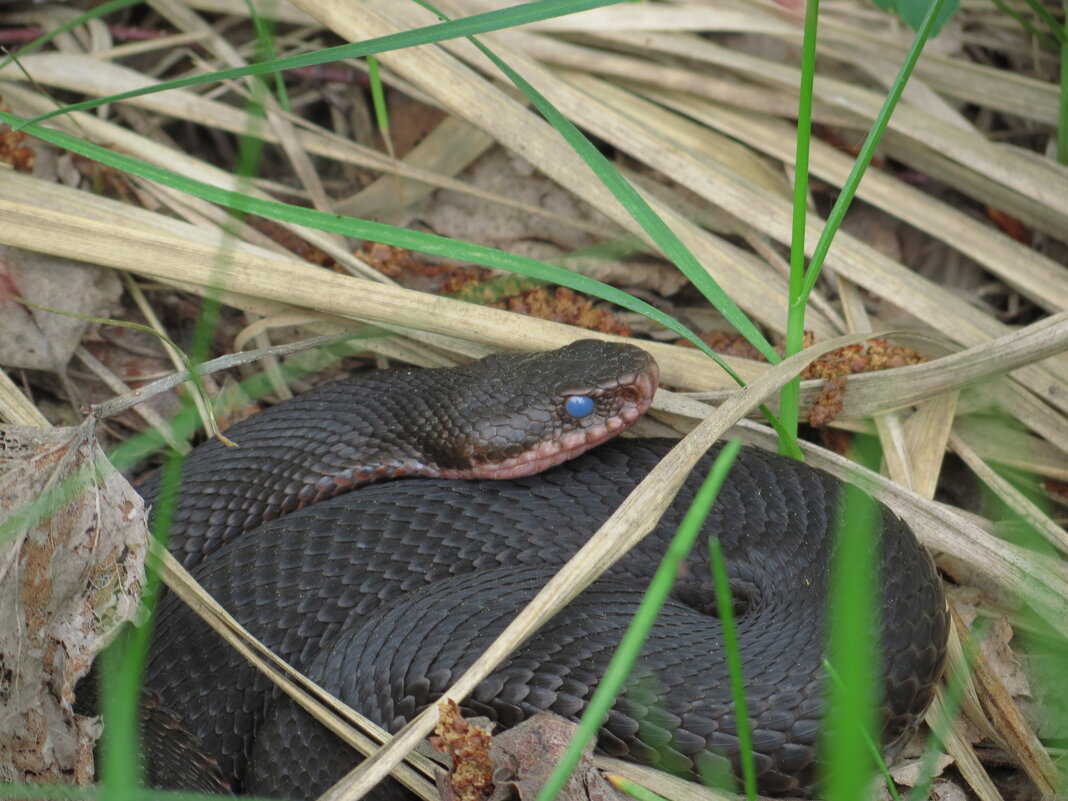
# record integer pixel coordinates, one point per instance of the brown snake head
(515, 415)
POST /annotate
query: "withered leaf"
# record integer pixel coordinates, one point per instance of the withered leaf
(72, 549)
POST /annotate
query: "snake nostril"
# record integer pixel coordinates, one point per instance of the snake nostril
(629, 395)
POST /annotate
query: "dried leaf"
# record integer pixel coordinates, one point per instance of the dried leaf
(526, 755)
(71, 568)
(908, 773)
(1002, 660)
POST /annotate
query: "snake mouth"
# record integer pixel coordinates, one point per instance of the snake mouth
(634, 394)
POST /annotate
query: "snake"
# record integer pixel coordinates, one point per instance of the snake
(474, 484)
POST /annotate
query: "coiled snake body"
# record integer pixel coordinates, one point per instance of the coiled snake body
(386, 595)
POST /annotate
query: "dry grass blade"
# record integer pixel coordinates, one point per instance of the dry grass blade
(956, 743)
(427, 167)
(1013, 730)
(1040, 278)
(887, 390)
(661, 783)
(634, 518)
(116, 385)
(926, 435)
(1028, 511)
(292, 281)
(15, 407)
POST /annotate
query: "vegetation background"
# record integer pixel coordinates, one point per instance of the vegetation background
(642, 169)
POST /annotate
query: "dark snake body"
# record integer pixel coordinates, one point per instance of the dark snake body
(385, 595)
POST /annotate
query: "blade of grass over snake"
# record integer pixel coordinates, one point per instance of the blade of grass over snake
(851, 643)
(477, 23)
(725, 613)
(630, 646)
(636, 205)
(869, 741)
(124, 660)
(121, 692)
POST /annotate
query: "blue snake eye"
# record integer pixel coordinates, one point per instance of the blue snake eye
(579, 406)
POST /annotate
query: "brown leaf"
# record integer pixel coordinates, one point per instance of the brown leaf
(71, 567)
(909, 772)
(525, 756)
(1003, 662)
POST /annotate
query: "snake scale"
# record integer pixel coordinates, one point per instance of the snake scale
(385, 595)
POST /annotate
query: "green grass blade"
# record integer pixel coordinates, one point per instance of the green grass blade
(851, 642)
(636, 205)
(630, 646)
(869, 741)
(725, 611)
(365, 229)
(867, 150)
(790, 394)
(265, 49)
(125, 659)
(1025, 23)
(378, 99)
(467, 26)
(123, 662)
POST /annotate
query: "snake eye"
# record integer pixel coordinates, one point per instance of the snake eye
(579, 406)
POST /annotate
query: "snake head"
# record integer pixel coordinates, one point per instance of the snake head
(515, 416)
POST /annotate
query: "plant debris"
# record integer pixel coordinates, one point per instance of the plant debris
(71, 567)
(471, 778)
